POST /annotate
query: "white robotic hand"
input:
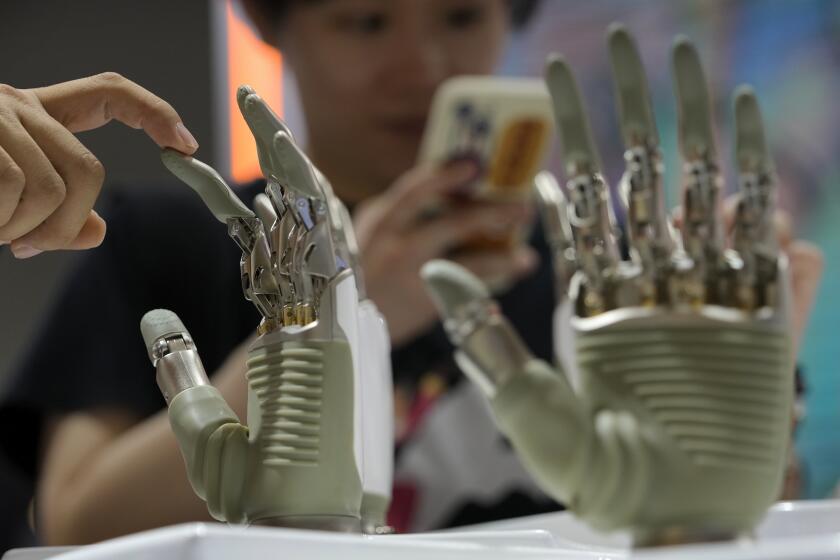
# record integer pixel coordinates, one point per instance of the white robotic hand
(681, 426)
(316, 451)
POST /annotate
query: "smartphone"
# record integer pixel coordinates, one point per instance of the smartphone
(505, 125)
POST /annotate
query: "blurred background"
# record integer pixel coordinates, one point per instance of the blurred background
(196, 55)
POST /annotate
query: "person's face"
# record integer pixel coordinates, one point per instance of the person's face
(367, 70)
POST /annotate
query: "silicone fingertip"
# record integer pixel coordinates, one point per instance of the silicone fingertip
(172, 158)
(554, 57)
(255, 109)
(242, 93)
(744, 90)
(682, 43)
(259, 114)
(158, 323)
(624, 57)
(207, 182)
(561, 84)
(176, 162)
(747, 113)
(557, 71)
(685, 58)
(451, 286)
(750, 144)
(617, 31)
(745, 100)
(556, 62)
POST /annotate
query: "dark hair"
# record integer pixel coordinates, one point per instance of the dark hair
(275, 10)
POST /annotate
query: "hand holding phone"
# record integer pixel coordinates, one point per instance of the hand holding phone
(505, 126)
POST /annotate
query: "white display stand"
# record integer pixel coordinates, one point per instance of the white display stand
(791, 531)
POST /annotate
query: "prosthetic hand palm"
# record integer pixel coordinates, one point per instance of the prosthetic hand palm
(311, 454)
(680, 427)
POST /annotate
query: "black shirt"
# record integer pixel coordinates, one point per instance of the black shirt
(164, 249)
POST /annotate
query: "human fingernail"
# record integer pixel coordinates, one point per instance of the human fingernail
(186, 137)
(25, 251)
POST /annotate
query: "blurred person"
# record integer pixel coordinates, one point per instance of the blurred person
(84, 414)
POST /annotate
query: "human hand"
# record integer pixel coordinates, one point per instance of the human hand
(397, 236)
(49, 180)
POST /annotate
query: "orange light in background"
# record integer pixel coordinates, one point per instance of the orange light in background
(252, 62)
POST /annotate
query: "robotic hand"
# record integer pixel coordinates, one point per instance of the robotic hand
(681, 426)
(311, 455)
